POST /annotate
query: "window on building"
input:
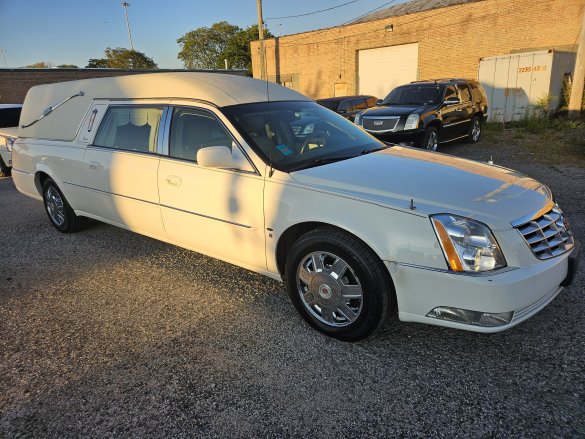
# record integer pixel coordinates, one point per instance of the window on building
(130, 128)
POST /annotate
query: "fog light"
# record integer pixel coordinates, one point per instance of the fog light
(477, 318)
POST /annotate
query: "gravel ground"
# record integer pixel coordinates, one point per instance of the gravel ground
(108, 333)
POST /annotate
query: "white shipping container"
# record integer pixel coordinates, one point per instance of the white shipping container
(516, 83)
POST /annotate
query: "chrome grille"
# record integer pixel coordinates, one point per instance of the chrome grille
(380, 124)
(547, 235)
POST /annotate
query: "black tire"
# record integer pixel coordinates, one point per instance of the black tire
(431, 139)
(473, 136)
(364, 271)
(58, 209)
(4, 169)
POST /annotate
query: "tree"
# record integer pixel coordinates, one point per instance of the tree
(120, 58)
(67, 66)
(40, 65)
(202, 48)
(97, 63)
(237, 51)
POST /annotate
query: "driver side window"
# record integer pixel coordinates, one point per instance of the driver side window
(193, 129)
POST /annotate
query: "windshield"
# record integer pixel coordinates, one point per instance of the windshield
(415, 95)
(296, 134)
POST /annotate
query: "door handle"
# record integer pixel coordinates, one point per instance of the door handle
(173, 180)
(94, 165)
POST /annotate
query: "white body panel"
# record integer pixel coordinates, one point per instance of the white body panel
(240, 214)
(384, 68)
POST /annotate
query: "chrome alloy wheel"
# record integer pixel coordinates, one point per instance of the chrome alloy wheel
(55, 206)
(433, 141)
(475, 130)
(329, 289)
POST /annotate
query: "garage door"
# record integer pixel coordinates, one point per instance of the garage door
(382, 69)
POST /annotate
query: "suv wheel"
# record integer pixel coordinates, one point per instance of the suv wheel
(474, 130)
(431, 139)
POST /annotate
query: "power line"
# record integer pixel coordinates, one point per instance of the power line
(310, 34)
(314, 12)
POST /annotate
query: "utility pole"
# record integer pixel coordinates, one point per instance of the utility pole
(126, 4)
(578, 76)
(261, 38)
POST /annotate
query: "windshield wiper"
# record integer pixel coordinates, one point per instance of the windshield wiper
(368, 151)
(319, 162)
(327, 160)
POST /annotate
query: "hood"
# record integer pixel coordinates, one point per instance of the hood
(393, 110)
(437, 183)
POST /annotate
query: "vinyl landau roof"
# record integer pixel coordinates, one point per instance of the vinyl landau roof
(218, 89)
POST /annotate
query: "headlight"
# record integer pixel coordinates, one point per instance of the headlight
(468, 245)
(412, 122)
(358, 119)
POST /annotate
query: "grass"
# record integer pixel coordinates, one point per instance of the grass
(549, 140)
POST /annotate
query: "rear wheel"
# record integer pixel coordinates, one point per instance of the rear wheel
(338, 285)
(431, 139)
(58, 209)
(474, 130)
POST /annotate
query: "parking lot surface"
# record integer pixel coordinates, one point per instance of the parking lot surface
(108, 333)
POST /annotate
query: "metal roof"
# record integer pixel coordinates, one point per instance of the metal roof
(411, 7)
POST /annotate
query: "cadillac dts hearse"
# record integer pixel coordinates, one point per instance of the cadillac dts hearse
(263, 177)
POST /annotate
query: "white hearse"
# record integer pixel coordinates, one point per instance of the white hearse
(263, 177)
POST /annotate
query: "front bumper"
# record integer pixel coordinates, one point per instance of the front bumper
(523, 291)
(410, 137)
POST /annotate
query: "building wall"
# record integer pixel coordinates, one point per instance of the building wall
(451, 42)
(14, 83)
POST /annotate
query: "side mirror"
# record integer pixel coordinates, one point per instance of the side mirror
(452, 101)
(379, 102)
(215, 157)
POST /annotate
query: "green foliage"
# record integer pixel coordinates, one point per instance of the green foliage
(566, 94)
(40, 65)
(209, 47)
(97, 63)
(120, 58)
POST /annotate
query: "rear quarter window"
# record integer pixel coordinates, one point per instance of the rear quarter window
(130, 128)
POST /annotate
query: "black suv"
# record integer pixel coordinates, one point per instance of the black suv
(349, 106)
(427, 113)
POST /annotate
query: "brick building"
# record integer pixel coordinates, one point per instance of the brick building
(420, 39)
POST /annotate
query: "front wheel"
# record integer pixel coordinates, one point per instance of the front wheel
(431, 139)
(338, 285)
(58, 209)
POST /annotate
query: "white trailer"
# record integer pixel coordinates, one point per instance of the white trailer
(517, 83)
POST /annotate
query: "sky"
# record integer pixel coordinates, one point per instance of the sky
(72, 32)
